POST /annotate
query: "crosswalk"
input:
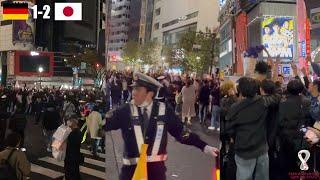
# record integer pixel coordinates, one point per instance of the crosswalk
(50, 168)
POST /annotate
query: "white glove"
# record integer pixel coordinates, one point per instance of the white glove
(212, 151)
(311, 137)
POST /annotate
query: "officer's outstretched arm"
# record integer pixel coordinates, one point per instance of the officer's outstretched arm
(177, 130)
(112, 120)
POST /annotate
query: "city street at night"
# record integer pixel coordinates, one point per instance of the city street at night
(184, 162)
(159, 89)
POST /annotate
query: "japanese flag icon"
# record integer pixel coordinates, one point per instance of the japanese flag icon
(68, 11)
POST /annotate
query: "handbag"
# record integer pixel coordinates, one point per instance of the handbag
(59, 143)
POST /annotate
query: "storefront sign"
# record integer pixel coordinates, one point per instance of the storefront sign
(284, 69)
(315, 18)
(308, 36)
(277, 36)
(303, 49)
(241, 39)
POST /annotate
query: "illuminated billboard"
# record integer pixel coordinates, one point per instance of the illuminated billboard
(277, 36)
(23, 31)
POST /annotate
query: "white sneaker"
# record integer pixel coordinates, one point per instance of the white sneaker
(211, 128)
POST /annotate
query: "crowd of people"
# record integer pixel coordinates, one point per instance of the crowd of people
(264, 121)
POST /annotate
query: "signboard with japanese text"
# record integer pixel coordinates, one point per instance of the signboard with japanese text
(285, 69)
(277, 36)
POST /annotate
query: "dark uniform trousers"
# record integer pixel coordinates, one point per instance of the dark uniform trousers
(156, 170)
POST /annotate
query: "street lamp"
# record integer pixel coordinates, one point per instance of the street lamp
(40, 70)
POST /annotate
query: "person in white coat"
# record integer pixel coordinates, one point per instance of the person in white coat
(94, 123)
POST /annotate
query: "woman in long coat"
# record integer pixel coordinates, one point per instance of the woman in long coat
(94, 122)
(188, 102)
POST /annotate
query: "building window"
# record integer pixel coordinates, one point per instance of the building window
(7, 22)
(175, 21)
(158, 11)
(156, 26)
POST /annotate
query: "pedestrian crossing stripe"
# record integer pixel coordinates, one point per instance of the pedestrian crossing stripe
(95, 162)
(45, 171)
(83, 169)
(84, 151)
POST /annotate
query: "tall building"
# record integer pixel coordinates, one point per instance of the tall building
(173, 18)
(49, 42)
(146, 20)
(14, 36)
(124, 25)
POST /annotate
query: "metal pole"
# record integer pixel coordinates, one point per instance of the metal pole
(40, 79)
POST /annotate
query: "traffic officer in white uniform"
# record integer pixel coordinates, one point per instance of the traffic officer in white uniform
(144, 120)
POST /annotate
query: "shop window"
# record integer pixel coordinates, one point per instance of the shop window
(156, 26)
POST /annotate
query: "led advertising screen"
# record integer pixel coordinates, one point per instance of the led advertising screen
(277, 36)
(32, 63)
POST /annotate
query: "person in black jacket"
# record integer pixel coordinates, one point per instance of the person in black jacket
(73, 156)
(294, 113)
(147, 121)
(4, 115)
(228, 165)
(18, 122)
(246, 124)
(204, 95)
(268, 88)
(51, 121)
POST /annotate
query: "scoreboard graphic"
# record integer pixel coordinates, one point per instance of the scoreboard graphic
(62, 11)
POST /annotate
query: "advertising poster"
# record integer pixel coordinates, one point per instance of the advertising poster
(277, 36)
(23, 31)
(248, 66)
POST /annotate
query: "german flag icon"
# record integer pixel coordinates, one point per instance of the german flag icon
(15, 11)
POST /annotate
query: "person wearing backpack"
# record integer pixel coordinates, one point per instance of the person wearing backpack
(13, 162)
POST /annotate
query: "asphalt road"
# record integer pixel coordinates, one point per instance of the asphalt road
(184, 163)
